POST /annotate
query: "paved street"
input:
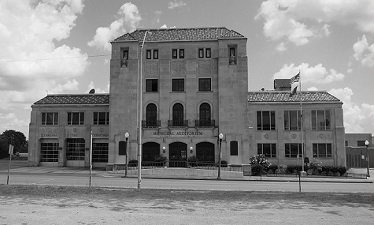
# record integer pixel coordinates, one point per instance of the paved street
(147, 183)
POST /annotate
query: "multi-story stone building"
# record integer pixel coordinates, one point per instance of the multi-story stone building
(194, 87)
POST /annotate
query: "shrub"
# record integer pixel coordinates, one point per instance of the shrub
(257, 170)
(192, 160)
(159, 158)
(281, 169)
(260, 160)
(291, 169)
(342, 170)
(223, 163)
(272, 169)
(133, 162)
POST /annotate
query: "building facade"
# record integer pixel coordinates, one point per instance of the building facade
(194, 87)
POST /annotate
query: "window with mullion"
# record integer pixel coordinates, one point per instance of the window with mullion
(151, 115)
(205, 114)
(177, 85)
(151, 85)
(49, 118)
(178, 114)
(201, 53)
(292, 150)
(265, 120)
(322, 150)
(75, 118)
(321, 120)
(267, 149)
(292, 120)
(205, 84)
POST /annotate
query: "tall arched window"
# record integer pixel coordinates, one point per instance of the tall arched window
(205, 115)
(151, 115)
(178, 115)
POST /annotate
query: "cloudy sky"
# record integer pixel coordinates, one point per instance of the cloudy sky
(62, 46)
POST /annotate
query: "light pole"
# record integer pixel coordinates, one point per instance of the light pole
(127, 138)
(140, 111)
(367, 158)
(220, 156)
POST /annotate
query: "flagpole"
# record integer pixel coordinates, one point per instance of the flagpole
(302, 128)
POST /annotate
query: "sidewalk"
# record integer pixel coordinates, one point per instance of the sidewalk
(192, 174)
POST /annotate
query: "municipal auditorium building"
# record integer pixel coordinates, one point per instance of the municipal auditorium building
(194, 87)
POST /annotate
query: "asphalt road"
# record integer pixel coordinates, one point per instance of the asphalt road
(180, 184)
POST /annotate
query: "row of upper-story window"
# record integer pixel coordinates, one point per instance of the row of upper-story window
(75, 118)
(178, 85)
(179, 53)
(294, 150)
(321, 120)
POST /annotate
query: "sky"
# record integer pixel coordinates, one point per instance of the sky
(63, 46)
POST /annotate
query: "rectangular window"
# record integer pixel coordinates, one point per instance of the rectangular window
(155, 54)
(322, 150)
(321, 120)
(292, 120)
(101, 118)
(100, 152)
(360, 143)
(151, 85)
(177, 85)
(149, 54)
(124, 57)
(49, 152)
(201, 53)
(49, 118)
(174, 53)
(181, 53)
(232, 55)
(292, 150)
(234, 148)
(269, 150)
(208, 53)
(125, 54)
(205, 84)
(265, 120)
(75, 118)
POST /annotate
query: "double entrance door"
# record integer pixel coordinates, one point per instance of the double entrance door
(177, 154)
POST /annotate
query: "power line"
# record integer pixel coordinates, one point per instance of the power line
(26, 60)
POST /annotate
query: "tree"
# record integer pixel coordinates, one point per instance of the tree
(16, 138)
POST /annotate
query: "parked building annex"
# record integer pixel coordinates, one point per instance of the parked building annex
(194, 87)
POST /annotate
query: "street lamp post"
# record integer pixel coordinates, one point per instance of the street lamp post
(220, 156)
(140, 111)
(367, 158)
(126, 166)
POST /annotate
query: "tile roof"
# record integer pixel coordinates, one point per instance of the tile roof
(181, 34)
(74, 99)
(284, 96)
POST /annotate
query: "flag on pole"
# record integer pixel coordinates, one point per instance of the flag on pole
(295, 79)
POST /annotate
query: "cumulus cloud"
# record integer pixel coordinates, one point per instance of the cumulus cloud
(281, 47)
(176, 4)
(357, 118)
(298, 21)
(10, 121)
(309, 74)
(128, 20)
(31, 60)
(364, 52)
(70, 85)
(157, 14)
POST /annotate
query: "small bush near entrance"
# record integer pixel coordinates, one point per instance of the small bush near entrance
(272, 169)
(133, 163)
(223, 163)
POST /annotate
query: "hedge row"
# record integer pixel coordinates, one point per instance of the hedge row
(258, 170)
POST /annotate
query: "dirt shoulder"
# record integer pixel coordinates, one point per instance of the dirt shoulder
(80, 205)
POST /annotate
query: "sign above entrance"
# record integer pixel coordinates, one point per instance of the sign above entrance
(179, 133)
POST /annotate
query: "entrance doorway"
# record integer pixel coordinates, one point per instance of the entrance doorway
(150, 151)
(177, 154)
(205, 152)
